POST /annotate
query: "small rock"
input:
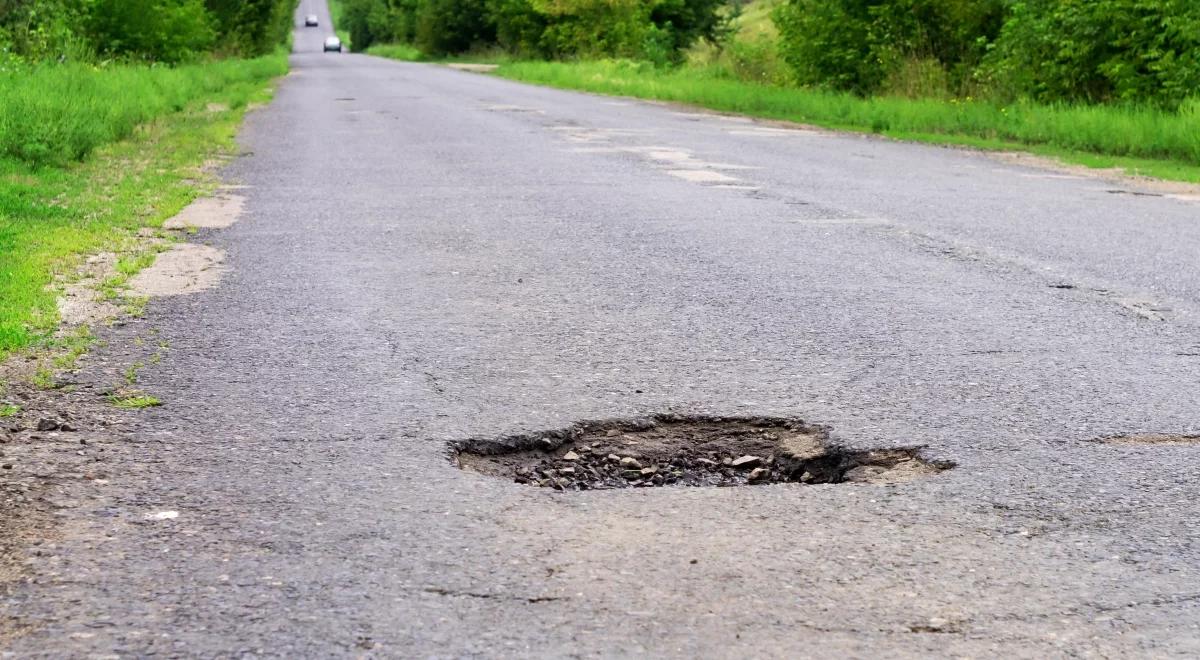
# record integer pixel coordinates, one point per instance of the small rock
(67, 426)
(649, 470)
(759, 474)
(706, 462)
(726, 461)
(566, 470)
(612, 433)
(6, 466)
(47, 424)
(631, 463)
(570, 456)
(614, 458)
(632, 474)
(746, 462)
(806, 477)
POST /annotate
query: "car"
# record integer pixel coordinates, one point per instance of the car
(334, 44)
(310, 20)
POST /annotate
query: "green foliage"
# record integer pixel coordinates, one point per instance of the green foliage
(41, 29)
(1131, 51)
(658, 30)
(49, 214)
(159, 30)
(251, 27)
(453, 26)
(857, 45)
(1099, 50)
(155, 30)
(55, 114)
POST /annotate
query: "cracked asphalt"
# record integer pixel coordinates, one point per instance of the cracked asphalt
(427, 255)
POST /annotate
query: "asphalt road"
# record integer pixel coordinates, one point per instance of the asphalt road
(429, 254)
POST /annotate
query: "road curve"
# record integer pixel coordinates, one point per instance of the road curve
(428, 255)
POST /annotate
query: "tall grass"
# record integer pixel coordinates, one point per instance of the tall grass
(70, 185)
(1106, 130)
(54, 114)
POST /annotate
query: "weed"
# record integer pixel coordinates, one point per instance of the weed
(43, 379)
(135, 306)
(133, 400)
(9, 410)
(131, 373)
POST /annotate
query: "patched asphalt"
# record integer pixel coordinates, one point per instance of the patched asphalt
(428, 255)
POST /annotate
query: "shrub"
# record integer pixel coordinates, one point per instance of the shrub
(1099, 50)
(860, 45)
(164, 31)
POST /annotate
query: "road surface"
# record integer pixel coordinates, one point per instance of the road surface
(428, 255)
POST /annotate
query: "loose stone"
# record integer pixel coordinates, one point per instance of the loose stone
(746, 462)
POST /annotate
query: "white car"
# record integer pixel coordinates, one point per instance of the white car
(334, 44)
(310, 20)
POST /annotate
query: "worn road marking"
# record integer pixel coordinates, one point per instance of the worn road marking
(701, 176)
(185, 268)
(216, 212)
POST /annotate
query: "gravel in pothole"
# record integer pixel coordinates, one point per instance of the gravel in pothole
(670, 450)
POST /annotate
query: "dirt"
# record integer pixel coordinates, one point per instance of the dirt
(1148, 185)
(671, 450)
(81, 302)
(1152, 439)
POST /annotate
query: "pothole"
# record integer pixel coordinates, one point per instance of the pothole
(671, 450)
(1152, 439)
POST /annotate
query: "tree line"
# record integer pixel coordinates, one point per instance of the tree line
(1135, 51)
(1094, 51)
(168, 31)
(654, 30)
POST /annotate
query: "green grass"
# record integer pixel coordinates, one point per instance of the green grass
(1144, 141)
(143, 134)
(9, 410)
(397, 52)
(134, 400)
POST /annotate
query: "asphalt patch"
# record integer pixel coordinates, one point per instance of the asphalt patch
(672, 450)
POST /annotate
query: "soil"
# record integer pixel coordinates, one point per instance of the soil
(1152, 439)
(671, 450)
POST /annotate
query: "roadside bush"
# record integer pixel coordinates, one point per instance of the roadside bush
(164, 31)
(154, 30)
(453, 26)
(1099, 50)
(251, 27)
(862, 45)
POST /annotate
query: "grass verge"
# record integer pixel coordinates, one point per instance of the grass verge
(1141, 141)
(141, 165)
